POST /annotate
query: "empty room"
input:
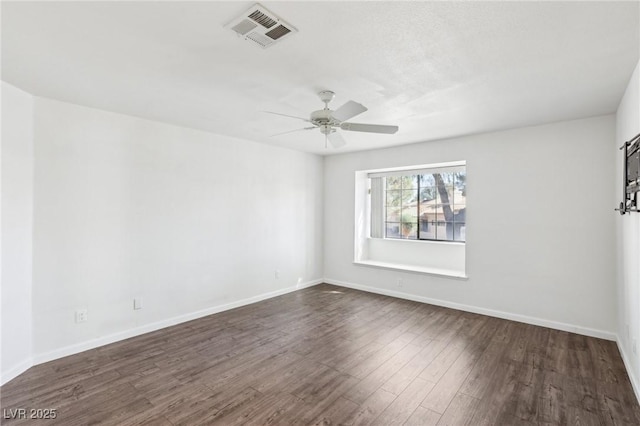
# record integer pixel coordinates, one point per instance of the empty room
(320, 213)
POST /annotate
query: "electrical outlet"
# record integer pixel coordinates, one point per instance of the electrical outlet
(137, 303)
(400, 282)
(635, 347)
(277, 274)
(81, 315)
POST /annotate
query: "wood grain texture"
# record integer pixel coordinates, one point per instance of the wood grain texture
(328, 355)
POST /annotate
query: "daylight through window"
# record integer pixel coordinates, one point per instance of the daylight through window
(425, 204)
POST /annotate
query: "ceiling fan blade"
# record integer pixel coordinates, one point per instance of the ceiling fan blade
(290, 116)
(336, 140)
(348, 110)
(291, 131)
(371, 128)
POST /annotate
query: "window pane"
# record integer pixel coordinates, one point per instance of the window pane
(459, 200)
(427, 230)
(393, 182)
(410, 182)
(428, 193)
(443, 213)
(394, 198)
(427, 180)
(392, 230)
(428, 208)
(409, 197)
(460, 214)
(409, 215)
(409, 230)
(448, 178)
(393, 214)
(444, 231)
(459, 232)
(449, 194)
(428, 216)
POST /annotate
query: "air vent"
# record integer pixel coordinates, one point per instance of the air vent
(244, 27)
(278, 32)
(262, 19)
(261, 27)
(262, 40)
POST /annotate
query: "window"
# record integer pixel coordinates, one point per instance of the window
(419, 204)
(412, 218)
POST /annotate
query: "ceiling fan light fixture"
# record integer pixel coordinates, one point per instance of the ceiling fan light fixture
(326, 129)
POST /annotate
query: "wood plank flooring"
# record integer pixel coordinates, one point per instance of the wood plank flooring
(328, 355)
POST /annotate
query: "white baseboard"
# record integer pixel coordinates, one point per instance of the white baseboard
(627, 364)
(147, 328)
(15, 371)
(94, 343)
(477, 310)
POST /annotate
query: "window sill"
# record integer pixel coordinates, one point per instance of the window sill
(449, 273)
(410, 241)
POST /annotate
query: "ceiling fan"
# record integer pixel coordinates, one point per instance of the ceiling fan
(329, 121)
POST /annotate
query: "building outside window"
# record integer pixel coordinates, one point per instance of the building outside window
(424, 204)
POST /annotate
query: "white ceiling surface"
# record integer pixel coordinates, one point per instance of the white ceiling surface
(436, 69)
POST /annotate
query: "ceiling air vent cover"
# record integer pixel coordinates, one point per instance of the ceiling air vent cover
(261, 27)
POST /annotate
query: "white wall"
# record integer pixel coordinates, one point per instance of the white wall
(189, 221)
(628, 229)
(16, 230)
(540, 225)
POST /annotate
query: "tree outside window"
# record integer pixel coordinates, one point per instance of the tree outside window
(426, 206)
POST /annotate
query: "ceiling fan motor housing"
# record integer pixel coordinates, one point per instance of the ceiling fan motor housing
(323, 117)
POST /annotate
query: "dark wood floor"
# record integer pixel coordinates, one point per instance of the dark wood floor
(330, 355)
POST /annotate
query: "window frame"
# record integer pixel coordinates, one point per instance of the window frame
(450, 167)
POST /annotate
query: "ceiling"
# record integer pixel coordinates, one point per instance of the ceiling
(436, 69)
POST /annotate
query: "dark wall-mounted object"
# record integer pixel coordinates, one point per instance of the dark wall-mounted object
(631, 176)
